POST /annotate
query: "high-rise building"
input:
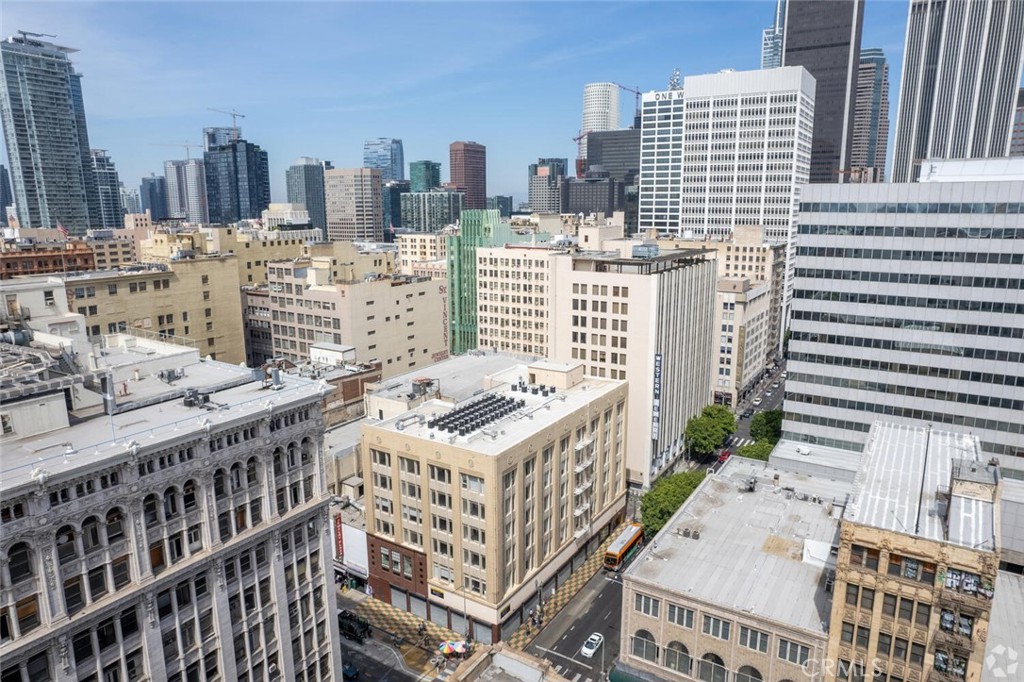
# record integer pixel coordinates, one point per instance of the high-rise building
(1016, 137)
(43, 118)
(219, 136)
(595, 192)
(617, 152)
(936, 341)
(871, 118)
(353, 204)
(430, 211)
(732, 178)
(824, 37)
(391, 197)
(6, 195)
(545, 184)
(186, 191)
(771, 38)
(108, 187)
(424, 176)
(961, 73)
(385, 153)
(502, 203)
(600, 112)
(468, 164)
(170, 528)
(237, 181)
(305, 181)
(130, 201)
(153, 197)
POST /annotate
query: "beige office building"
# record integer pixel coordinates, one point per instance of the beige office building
(396, 320)
(417, 248)
(355, 208)
(476, 509)
(743, 316)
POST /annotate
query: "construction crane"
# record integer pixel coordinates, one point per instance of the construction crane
(26, 34)
(235, 115)
(636, 92)
(187, 145)
(580, 161)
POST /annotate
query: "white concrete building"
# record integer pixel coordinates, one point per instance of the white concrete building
(743, 316)
(600, 111)
(277, 215)
(186, 191)
(414, 249)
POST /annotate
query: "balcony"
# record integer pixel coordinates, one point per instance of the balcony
(582, 466)
(585, 443)
(971, 599)
(581, 510)
(952, 639)
(936, 675)
(583, 487)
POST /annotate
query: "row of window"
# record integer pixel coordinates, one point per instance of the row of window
(909, 231)
(955, 208)
(914, 325)
(912, 346)
(924, 279)
(909, 255)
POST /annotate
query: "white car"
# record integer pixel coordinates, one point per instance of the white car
(757, 401)
(592, 644)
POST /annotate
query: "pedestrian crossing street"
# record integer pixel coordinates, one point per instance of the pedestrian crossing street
(578, 677)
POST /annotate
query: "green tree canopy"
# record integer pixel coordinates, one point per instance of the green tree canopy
(759, 450)
(709, 430)
(767, 426)
(663, 500)
(723, 417)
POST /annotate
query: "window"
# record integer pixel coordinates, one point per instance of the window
(793, 652)
(862, 556)
(473, 484)
(884, 644)
(863, 637)
(680, 616)
(677, 657)
(924, 612)
(717, 627)
(754, 639)
(647, 605)
(644, 646)
(852, 594)
(847, 633)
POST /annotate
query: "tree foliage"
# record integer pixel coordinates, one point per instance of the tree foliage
(759, 450)
(767, 426)
(663, 500)
(709, 430)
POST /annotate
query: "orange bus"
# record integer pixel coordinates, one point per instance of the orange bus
(622, 549)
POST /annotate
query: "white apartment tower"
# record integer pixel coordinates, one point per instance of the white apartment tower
(958, 88)
(355, 208)
(600, 111)
(186, 190)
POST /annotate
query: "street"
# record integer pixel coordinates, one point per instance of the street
(375, 660)
(597, 608)
(742, 435)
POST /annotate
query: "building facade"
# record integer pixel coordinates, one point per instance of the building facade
(771, 38)
(420, 248)
(391, 198)
(871, 118)
(385, 154)
(130, 202)
(468, 167)
(1017, 135)
(108, 188)
(596, 192)
(153, 197)
(907, 304)
(43, 118)
(259, 342)
(474, 509)
(353, 204)
(617, 152)
(824, 38)
(743, 321)
(35, 258)
(545, 184)
(424, 175)
(218, 136)
(502, 203)
(431, 211)
(662, 124)
(237, 182)
(600, 112)
(186, 191)
(958, 88)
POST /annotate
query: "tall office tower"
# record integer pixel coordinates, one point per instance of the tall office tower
(391, 197)
(386, 154)
(502, 203)
(745, 170)
(131, 202)
(305, 181)
(600, 112)
(353, 202)
(545, 184)
(824, 37)
(771, 38)
(153, 197)
(595, 192)
(617, 152)
(166, 554)
(870, 118)
(936, 341)
(961, 71)
(43, 118)
(6, 196)
(431, 211)
(186, 191)
(424, 175)
(108, 188)
(219, 136)
(1016, 137)
(468, 164)
(237, 182)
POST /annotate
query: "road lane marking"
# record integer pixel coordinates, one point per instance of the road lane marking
(568, 658)
(577, 678)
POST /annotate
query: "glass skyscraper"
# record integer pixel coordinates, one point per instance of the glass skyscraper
(237, 182)
(108, 187)
(385, 153)
(153, 196)
(305, 181)
(424, 175)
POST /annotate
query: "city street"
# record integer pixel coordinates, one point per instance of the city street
(376, 661)
(597, 608)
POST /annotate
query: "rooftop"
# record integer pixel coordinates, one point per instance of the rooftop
(760, 551)
(458, 377)
(903, 486)
(1003, 644)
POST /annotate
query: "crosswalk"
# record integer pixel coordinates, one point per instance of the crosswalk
(737, 443)
(578, 677)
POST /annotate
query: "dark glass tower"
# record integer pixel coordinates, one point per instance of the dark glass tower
(153, 194)
(424, 176)
(305, 181)
(237, 182)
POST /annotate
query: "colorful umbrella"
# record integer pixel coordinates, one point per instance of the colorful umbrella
(446, 648)
(460, 647)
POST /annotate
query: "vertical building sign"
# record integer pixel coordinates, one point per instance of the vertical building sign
(656, 406)
(339, 538)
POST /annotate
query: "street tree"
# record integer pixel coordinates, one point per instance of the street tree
(665, 498)
(767, 426)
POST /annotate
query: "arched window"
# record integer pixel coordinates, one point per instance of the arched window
(220, 479)
(19, 561)
(236, 476)
(293, 456)
(151, 510)
(307, 450)
(644, 646)
(91, 534)
(712, 669)
(748, 673)
(278, 465)
(189, 495)
(252, 472)
(677, 657)
(171, 505)
(115, 524)
(66, 549)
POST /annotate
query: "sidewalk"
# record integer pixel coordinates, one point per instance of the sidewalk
(522, 637)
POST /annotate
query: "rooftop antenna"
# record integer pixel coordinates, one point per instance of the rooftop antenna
(675, 81)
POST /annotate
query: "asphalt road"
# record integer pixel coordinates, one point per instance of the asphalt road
(597, 608)
(376, 661)
(772, 403)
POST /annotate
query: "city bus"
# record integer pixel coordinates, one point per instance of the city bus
(622, 549)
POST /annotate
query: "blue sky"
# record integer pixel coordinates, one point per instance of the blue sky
(318, 78)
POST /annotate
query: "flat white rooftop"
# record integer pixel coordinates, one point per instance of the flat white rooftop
(459, 376)
(1003, 652)
(760, 551)
(903, 486)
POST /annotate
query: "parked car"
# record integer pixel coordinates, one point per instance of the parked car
(775, 384)
(349, 671)
(767, 394)
(724, 456)
(783, 375)
(592, 644)
(747, 413)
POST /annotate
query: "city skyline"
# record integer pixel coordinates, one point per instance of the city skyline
(458, 95)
